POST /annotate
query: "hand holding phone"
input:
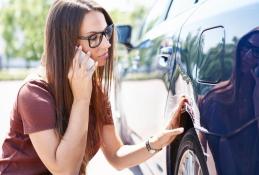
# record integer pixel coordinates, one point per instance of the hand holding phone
(80, 78)
(90, 64)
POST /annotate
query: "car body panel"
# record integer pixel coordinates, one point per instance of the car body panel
(232, 32)
(203, 65)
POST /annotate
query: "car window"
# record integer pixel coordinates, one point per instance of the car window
(178, 6)
(157, 14)
(211, 52)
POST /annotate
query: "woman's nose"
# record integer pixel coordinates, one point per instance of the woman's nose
(105, 43)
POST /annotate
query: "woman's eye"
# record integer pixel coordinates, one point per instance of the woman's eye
(93, 37)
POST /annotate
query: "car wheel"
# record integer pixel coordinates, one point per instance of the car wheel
(190, 159)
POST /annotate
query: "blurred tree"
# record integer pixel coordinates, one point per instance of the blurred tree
(23, 27)
(135, 18)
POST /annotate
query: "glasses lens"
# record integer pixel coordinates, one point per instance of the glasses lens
(95, 40)
(108, 32)
(246, 46)
(256, 52)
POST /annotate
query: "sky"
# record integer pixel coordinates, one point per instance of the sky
(111, 4)
(124, 5)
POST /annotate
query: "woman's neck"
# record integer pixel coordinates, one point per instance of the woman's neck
(42, 73)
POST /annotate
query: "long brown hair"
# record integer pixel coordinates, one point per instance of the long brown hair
(61, 36)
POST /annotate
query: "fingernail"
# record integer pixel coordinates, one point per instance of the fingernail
(88, 53)
(181, 130)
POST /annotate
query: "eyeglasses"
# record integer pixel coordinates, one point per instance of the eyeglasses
(255, 50)
(95, 39)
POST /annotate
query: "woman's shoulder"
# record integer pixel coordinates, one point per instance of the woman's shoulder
(36, 105)
(34, 87)
(34, 81)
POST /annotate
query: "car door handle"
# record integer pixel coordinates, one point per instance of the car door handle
(164, 56)
(165, 53)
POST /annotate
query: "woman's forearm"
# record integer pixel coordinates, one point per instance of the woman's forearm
(124, 156)
(131, 155)
(71, 150)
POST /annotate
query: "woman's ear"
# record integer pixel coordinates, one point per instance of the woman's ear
(78, 43)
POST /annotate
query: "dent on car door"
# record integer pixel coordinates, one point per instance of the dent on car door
(181, 84)
(184, 46)
(227, 115)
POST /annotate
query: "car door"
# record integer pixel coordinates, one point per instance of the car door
(207, 65)
(153, 61)
(144, 87)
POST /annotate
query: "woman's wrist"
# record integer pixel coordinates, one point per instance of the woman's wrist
(82, 101)
(153, 145)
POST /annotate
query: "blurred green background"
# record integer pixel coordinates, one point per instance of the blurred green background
(22, 31)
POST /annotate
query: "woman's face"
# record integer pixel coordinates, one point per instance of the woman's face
(250, 53)
(93, 24)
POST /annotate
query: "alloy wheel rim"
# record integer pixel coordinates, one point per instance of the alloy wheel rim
(189, 164)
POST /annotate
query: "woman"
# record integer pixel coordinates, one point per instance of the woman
(62, 117)
(231, 110)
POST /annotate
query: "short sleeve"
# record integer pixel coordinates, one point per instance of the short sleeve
(36, 107)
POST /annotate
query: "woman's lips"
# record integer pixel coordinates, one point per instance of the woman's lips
(104, 56)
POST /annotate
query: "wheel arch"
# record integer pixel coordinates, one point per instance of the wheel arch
(171, 150)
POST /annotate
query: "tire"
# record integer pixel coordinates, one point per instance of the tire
(190, 159)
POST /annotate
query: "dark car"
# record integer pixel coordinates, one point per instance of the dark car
(207, 50)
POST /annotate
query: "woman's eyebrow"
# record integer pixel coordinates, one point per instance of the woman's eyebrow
(94, 32)
(91, 33)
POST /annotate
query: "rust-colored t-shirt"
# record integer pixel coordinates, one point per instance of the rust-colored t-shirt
(33, 111)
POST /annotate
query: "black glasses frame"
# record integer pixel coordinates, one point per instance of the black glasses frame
(255, 50)
(108, 31)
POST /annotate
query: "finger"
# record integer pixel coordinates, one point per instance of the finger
(256, 71)
(77, 57)
(88, 53)
(183, 100)
(91, 71)
(253, 72)
(175, 117)
(176, 131)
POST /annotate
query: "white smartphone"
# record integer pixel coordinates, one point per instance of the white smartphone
(90, 61)
(256, 71)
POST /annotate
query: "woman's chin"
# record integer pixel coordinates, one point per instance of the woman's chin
(101, 63)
